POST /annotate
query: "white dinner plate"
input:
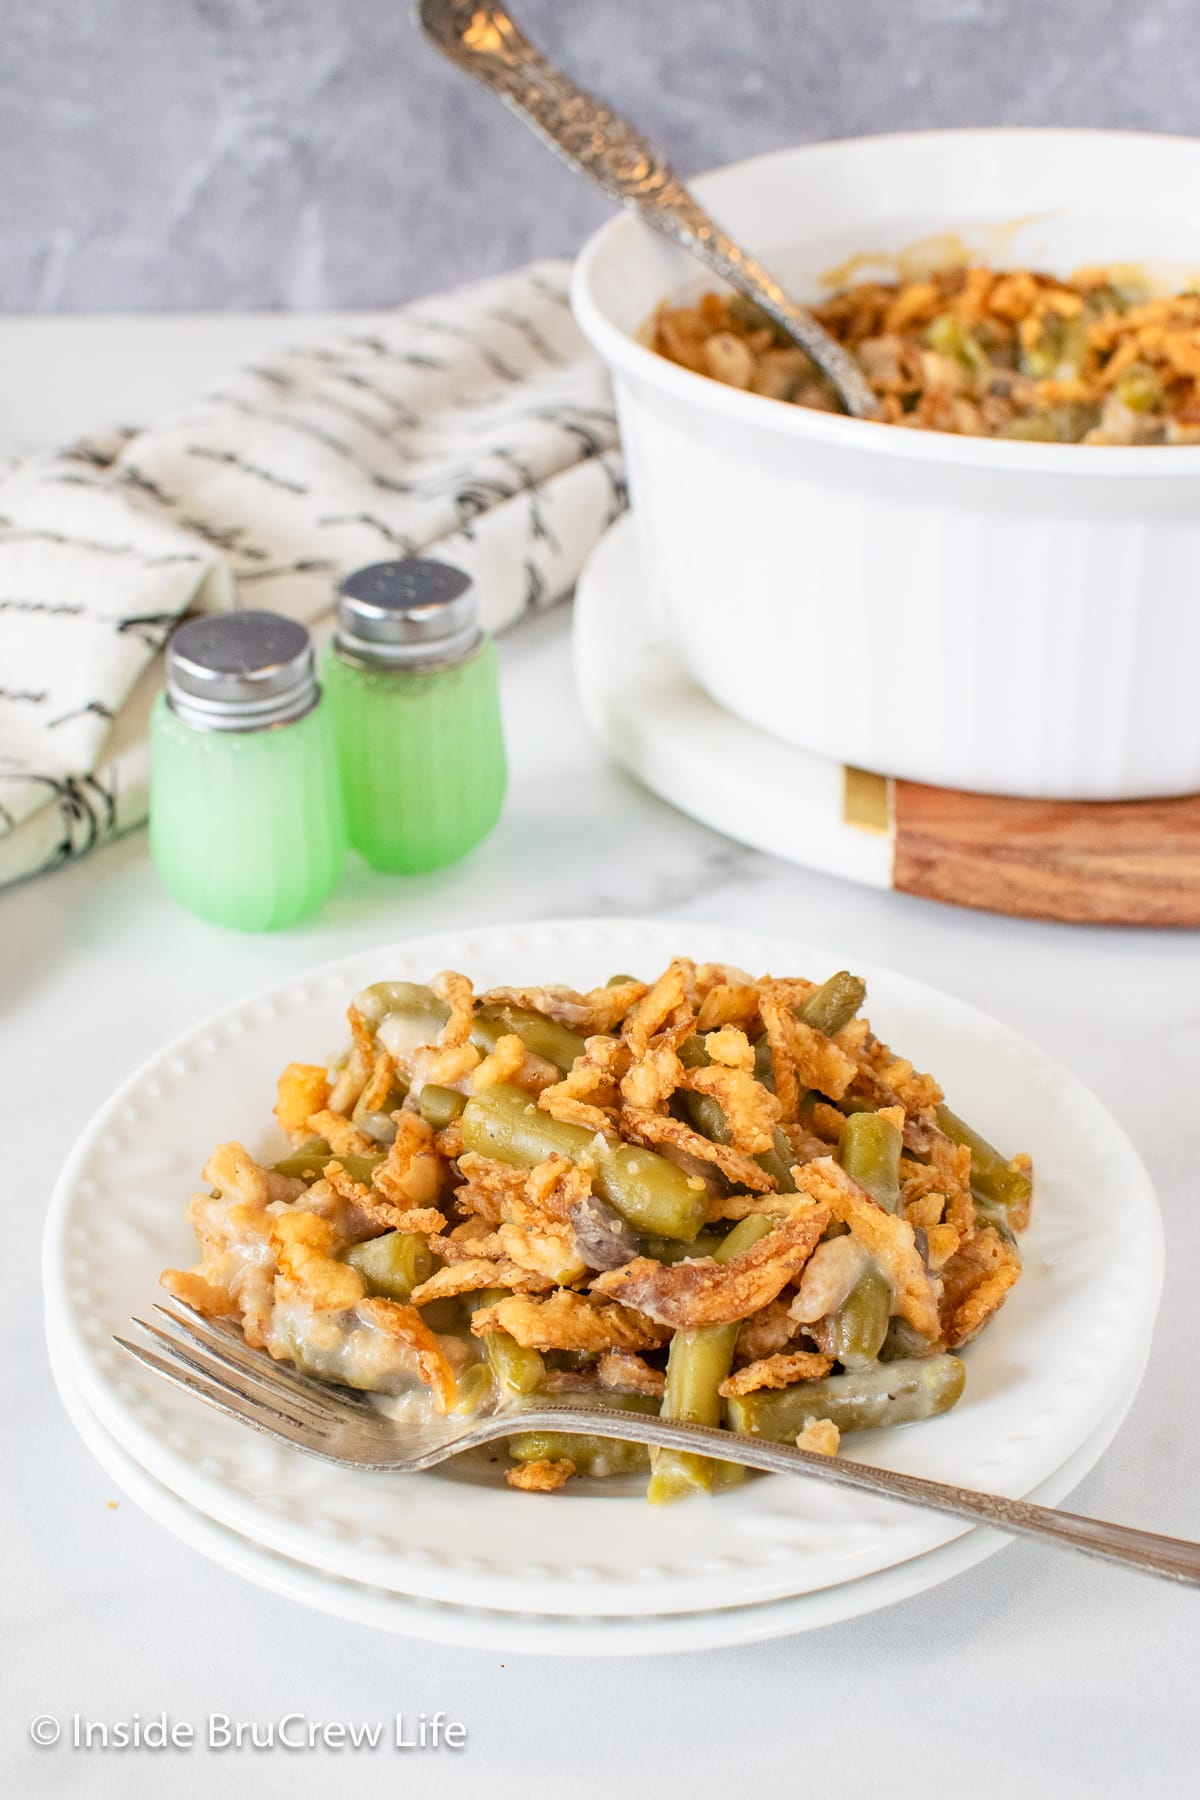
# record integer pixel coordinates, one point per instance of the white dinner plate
(476, 1627)
(1040, 1381)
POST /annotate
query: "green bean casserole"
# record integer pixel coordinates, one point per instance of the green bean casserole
(1009, 353)
(714, 1196)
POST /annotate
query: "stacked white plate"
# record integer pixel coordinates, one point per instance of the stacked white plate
(457, 1556)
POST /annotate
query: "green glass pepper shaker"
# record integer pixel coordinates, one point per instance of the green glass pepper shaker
(413, 685)
(246, 822)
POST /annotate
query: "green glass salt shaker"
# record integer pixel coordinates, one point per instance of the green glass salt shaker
(412, 682)
(246, 822)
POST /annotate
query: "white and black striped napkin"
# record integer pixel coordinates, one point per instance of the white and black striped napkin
(476, 426)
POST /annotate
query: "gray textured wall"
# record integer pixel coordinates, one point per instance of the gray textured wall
(313, 153)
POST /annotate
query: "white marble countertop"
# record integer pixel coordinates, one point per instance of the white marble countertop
(1036, 1673)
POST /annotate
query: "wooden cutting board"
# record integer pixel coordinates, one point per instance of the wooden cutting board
(1119, 863)
(1130, 862)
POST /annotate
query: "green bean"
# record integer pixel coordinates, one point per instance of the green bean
(991, 1212)
(309, 1164)
(1058, 349)
(394, 1264)
(948, 336)
(541, 1036)
(1065, 424)
(707, 1116)
(447, 1317)
(697, 1364)
(409, 1000)
(861, 1321)
(591, 1455)
(475, 1388)
(894, 1393)
(778, 1160)
(306, 1162)
(992, 1177)
(869, 1151)
(650, 1193)
(517, 1370)
(1139, 388)
(440, 1106)
(379, 1126)
(670, 1250)
(404, 999)
(903, 1342)
(396, 1095)
(831, 1006)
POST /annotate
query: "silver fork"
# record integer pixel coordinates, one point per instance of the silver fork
(211, 1360)
(481, 38)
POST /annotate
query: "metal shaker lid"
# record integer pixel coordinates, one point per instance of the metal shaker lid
(240, 671)
(408, 613)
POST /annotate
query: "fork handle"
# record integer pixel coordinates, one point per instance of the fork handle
(1175, 1559)
(608, 151)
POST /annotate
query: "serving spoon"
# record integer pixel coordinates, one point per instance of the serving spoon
(210, 1360)
(612, 154)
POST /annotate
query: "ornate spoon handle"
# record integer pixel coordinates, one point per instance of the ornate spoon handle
(605, 148)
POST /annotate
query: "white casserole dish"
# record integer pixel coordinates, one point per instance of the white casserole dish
(1002, 616)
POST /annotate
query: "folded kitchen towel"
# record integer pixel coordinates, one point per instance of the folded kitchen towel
(476, 427)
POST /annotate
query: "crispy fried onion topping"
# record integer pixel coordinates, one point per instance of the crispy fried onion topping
(766, 1332)
(456, 990)
(800, 1057)
(821, 1435)
(776, 1372)
(568, 1321)
(503, 1063)
(474, 1237)
(751, 1110)
(542, 1476)
(728, 1003)
(946, 1174)
(380, 1085)
(630, 1374)
(661, 1131)
(303, 1090)
(475, 1272)
(195, 1290)
(702, 1291)
(432, 1065)
(536, 1220)
(976, 1282)
(665, 1005)
(233, 1171)
(653, 1076)
(589, 1094)
(411, 1172)
(600, 1010)
(405, 1324)
(888, 1239)
(488, 1186)
(888, 1080)
(746, 1206)
(352, 1078)
(343, 1138)
(305, 1244)
(370, 1209)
